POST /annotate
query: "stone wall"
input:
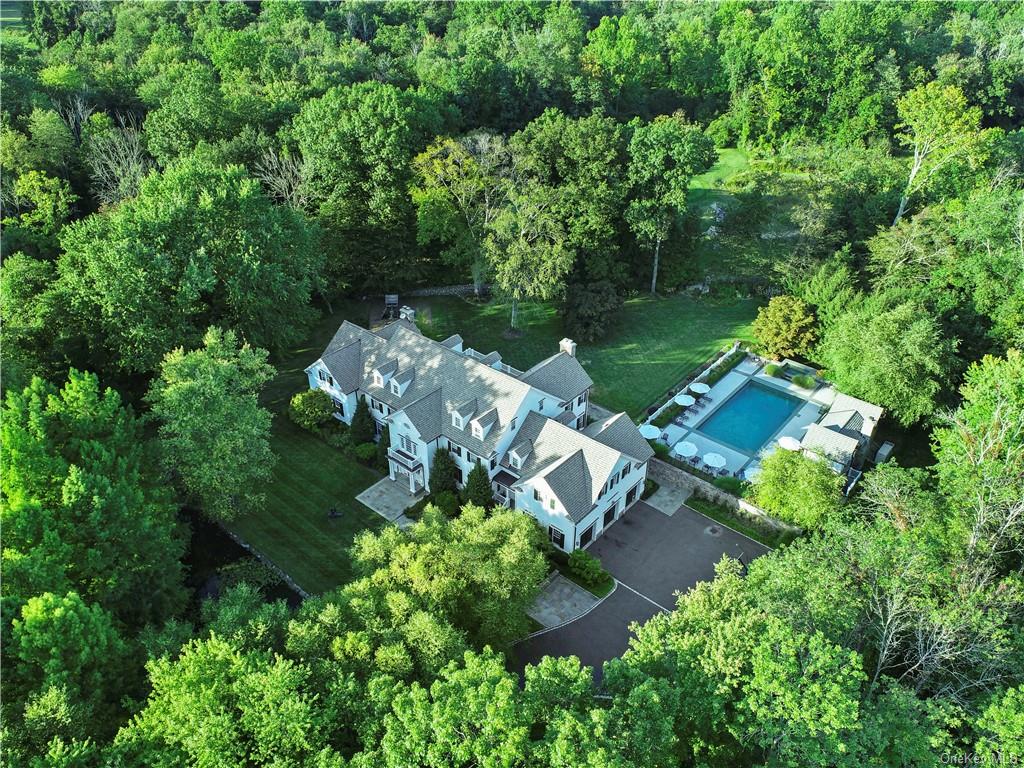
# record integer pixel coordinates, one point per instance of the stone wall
(665, 474)
(466, 289)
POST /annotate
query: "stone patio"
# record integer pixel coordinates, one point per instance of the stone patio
(389, 500)
(668, 499)
(560, 601)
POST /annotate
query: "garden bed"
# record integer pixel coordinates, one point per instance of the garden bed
(760, 532)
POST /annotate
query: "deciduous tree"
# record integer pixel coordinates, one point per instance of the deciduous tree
(785, 328)
(214, 435)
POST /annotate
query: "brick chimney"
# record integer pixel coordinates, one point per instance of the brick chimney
(568, 346)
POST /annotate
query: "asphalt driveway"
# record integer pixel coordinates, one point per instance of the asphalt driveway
(653, 556)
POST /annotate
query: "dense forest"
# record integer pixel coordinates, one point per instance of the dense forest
(186, 186)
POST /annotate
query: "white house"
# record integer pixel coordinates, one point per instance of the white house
(528, 428)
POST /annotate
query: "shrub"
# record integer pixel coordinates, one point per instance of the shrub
(366, 452)
(773, 370)
(650, 488)
(586, 568)
(660, 449)
(732, 485)
(415, 512)
(444, 473)
(336, 435)
(728, 363)
(667, 415)
(311, 408)
(803, 380)
(478, 488)
(447, 502)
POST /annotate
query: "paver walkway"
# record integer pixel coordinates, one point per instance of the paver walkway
(560, 601)
(389, 500)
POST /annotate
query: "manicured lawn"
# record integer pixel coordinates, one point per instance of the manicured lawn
(293, 529)
(11, 15)
(652, 344)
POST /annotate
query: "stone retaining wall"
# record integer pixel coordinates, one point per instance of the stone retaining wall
(664, 473)
(466, 289)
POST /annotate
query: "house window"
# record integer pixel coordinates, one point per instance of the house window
(408, 445)
(625, 471)
(556, 536)
(551, 502)
(512, 424)
(339, 407)
(395, 389)
(478, 432)
(457, 421)
(378, 379)
(581, 399)
(514, 462)
(536, 495)
(609, 516)
(540, 405)
(494, 462)
(587, 536)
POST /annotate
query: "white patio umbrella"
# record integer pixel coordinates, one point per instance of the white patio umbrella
(683, 399)
(685, 449)
(789, 443)
(715, 460)
(700, 388)
(649, 431)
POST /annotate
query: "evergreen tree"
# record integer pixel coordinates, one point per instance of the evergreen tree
(444, 473)
(362, 429)
(478, 488)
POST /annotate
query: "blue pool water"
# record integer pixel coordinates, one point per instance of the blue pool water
(748, 418)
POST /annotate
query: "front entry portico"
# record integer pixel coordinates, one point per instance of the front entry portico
(406, 469)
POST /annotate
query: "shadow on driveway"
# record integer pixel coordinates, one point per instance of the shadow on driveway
(653, 556)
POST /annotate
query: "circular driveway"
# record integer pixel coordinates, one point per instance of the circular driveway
(653, 556)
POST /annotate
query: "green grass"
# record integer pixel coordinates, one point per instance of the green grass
(652, 343)
(11, 15)
(310, 477)
(743, 255)
(762, 533)
(292, 528)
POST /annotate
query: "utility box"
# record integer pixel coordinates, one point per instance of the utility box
(884, 452)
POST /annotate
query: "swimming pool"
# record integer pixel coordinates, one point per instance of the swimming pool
(748, 418)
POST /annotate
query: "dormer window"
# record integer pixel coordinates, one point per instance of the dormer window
(457, 421)
(514, 461)
(378, 379)
(396, 388)
(478, 431)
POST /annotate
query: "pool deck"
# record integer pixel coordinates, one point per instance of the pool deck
(738, 460)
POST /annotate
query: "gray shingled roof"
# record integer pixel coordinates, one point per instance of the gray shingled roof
(560, 375)
(570, 480)
(425, 415)
(344, 364)
(852, 416)
(620, 433)
(831, 442)
(552, 444)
